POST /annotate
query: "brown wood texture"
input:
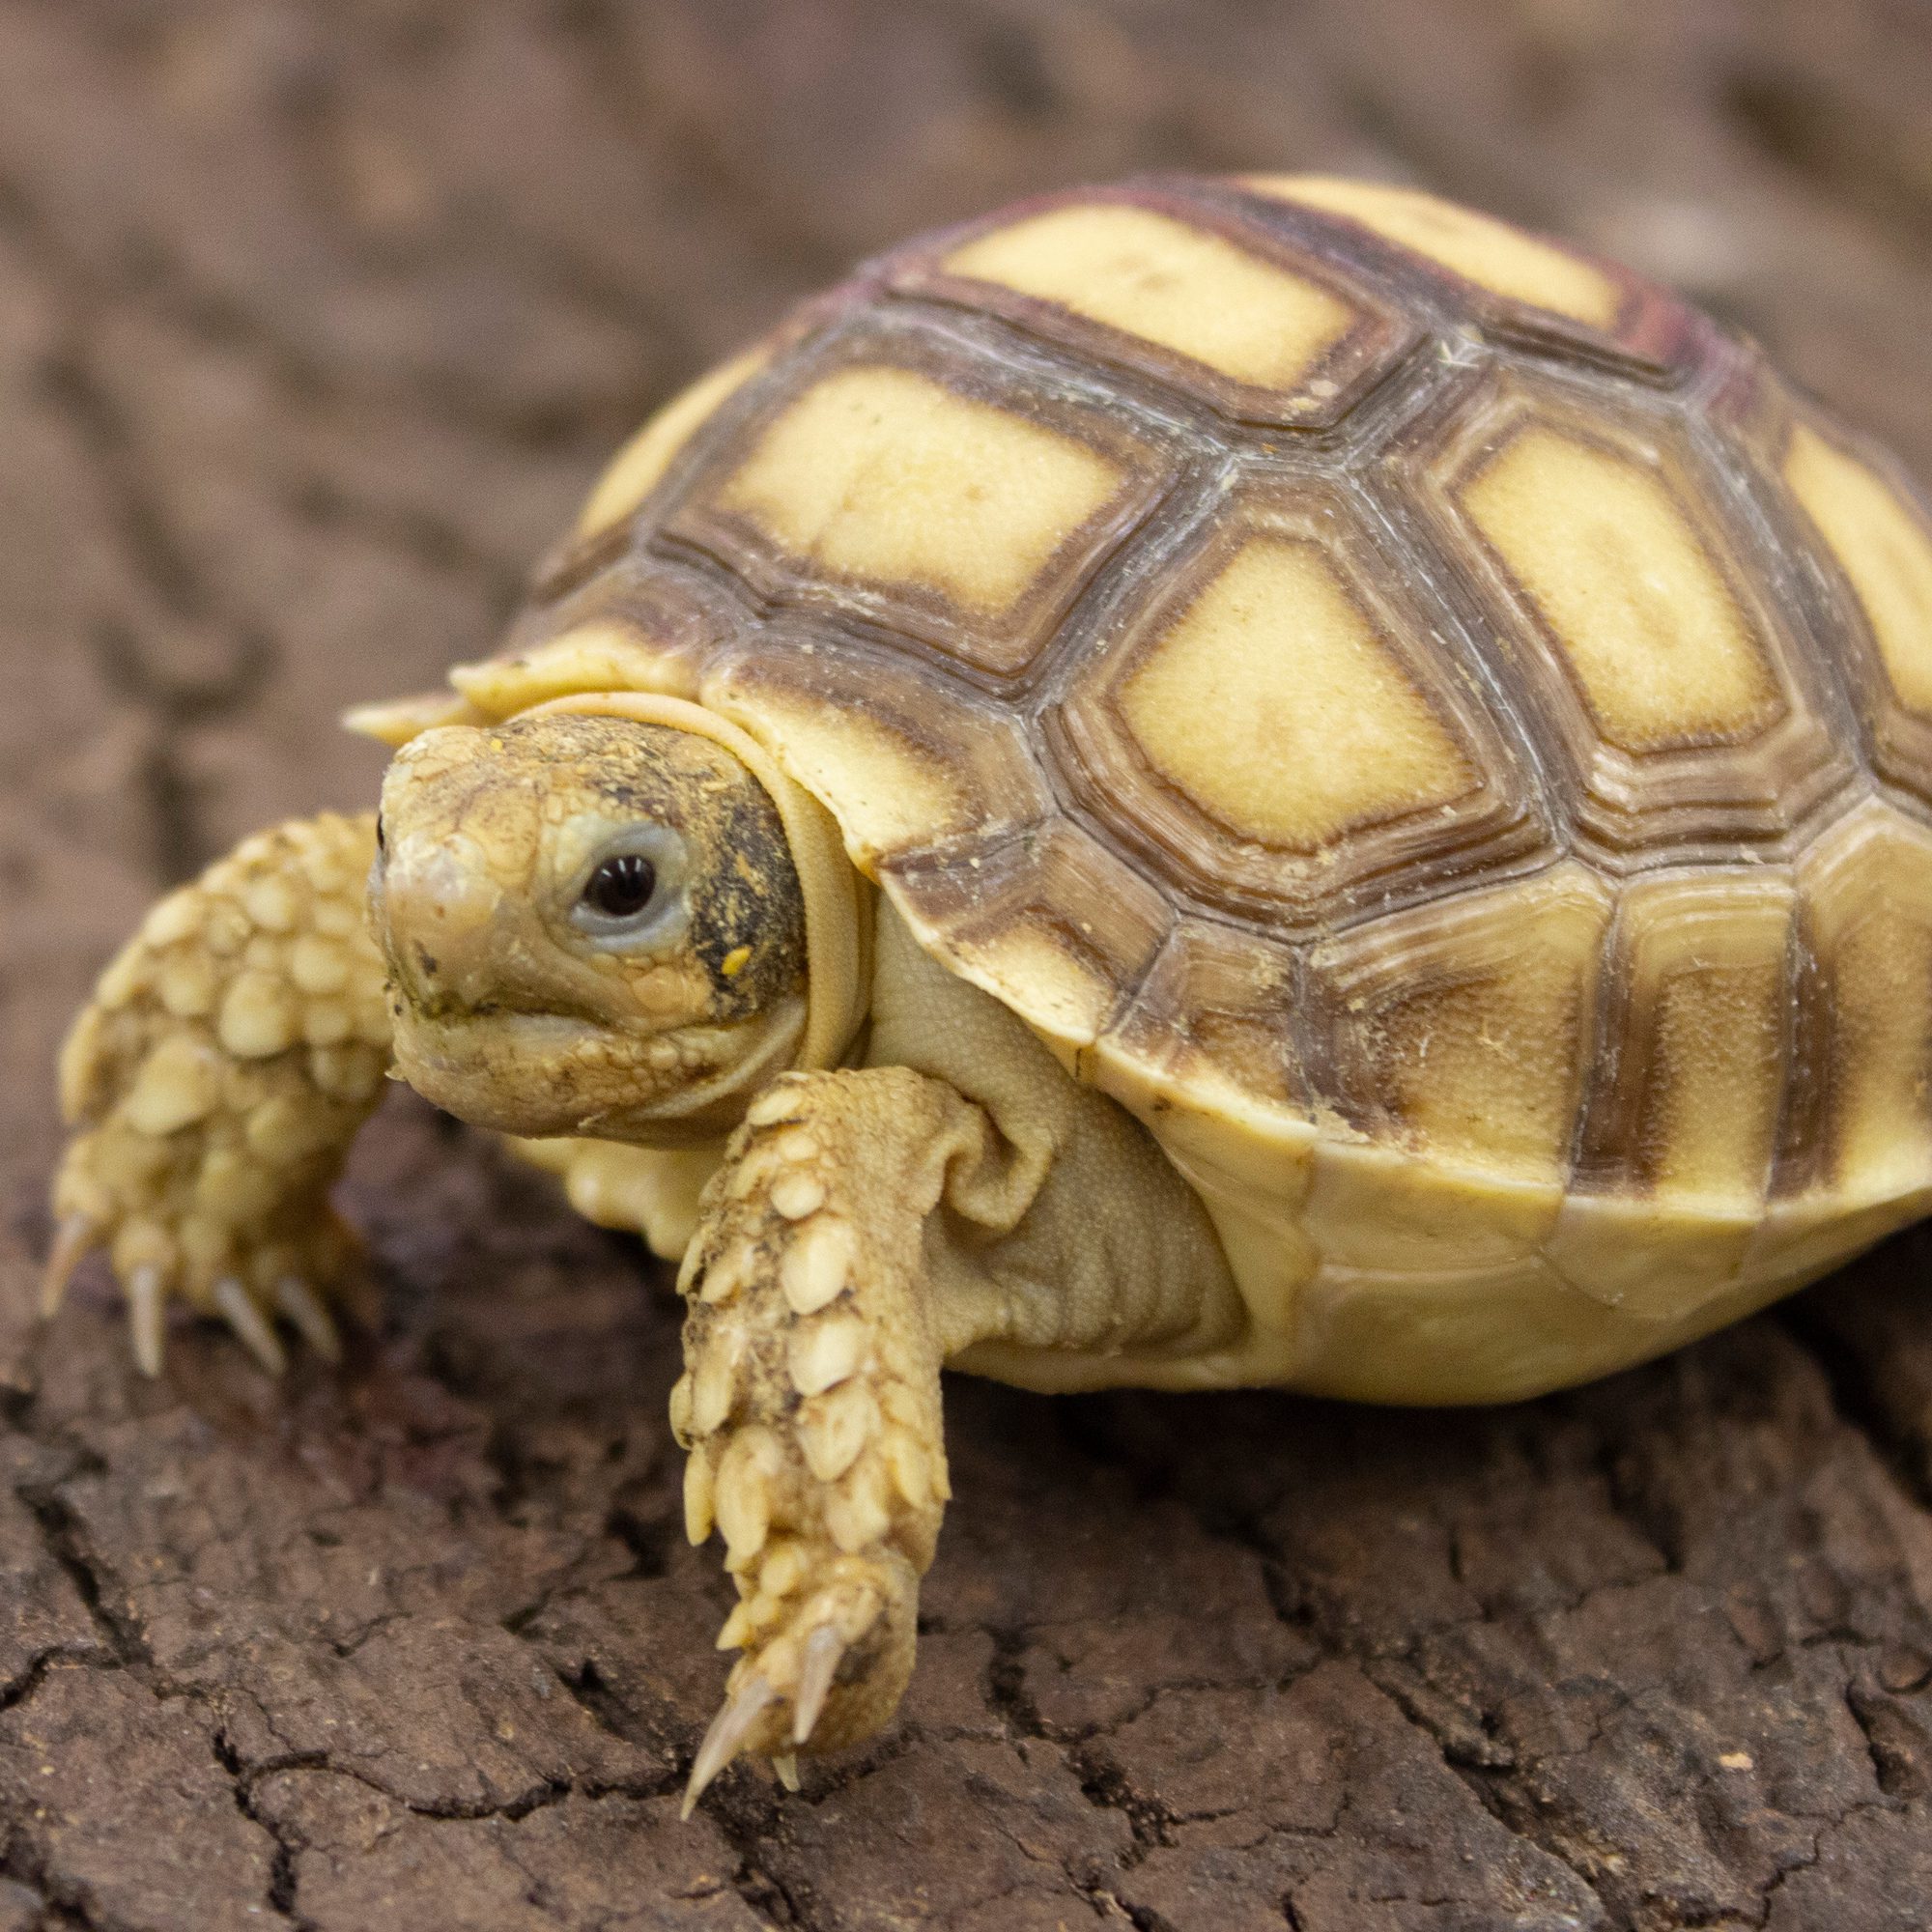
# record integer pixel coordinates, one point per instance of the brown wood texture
(315, 317)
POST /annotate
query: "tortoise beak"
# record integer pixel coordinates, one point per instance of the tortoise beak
(439, 918)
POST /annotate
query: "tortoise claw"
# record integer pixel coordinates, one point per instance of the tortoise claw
(76, 1235)
(311, 1319)
(252, 1328)
(823, 1649)
(727, 1737)
(147, 1301)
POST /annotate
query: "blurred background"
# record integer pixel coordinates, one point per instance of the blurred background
(317, 317)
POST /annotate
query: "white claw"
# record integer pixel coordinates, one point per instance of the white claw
(249, 1324)
(75, 1235)
(146, 1306)
(304, 1307)
(725, 1737)
(785, 1764)
(823, 1649)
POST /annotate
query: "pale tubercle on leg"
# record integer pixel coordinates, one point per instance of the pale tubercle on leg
(810, 1401)
(214, 1082)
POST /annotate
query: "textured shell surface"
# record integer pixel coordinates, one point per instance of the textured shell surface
(1425, 717)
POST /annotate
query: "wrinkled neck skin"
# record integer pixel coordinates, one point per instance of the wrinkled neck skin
(519, 1004)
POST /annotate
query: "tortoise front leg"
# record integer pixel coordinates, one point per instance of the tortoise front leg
(214, 1082)
(810, 1399)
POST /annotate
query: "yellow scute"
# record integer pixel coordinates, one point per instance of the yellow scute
(887, 475)
(1623, 581)
(1881, 546)
(602, 654)
(636, 467)
(1704, 972)
(1275, 704)
(1066, 1001)
(1868, 888)
(1152, 277)
(890, 793)
(1469, 1022)
(1478, 247)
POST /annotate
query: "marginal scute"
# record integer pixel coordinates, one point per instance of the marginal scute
(1699, 988)
(1058, 937)
(1867, 888)
(1484, 251)
(894, 795)
(1168, 282)
(1462, 1029)
(1625, 587)
(1884, 547)
(1206, 1054)
(914, 765)
(603, 655)
(1680, 1126)
(395, 720)
(1273, 703)
(1216, 1012)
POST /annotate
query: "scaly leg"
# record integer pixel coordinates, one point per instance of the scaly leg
(811, 1403)
(962, 1199)
(215, 1080)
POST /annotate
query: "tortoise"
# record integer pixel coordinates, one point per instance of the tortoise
(1213, 781)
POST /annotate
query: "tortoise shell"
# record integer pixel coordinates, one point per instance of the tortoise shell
(1422, 716)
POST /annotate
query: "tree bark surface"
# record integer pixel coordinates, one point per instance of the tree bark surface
(316, 318)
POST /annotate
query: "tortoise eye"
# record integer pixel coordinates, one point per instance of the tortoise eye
(622, 887)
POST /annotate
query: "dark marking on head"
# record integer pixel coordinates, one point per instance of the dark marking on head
(748, 914)
(747, 908)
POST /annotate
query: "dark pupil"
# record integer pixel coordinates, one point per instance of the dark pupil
(623, 886)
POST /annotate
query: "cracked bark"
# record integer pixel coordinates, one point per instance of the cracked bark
(313, 322)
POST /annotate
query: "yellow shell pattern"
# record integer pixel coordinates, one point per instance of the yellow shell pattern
(1426, 719)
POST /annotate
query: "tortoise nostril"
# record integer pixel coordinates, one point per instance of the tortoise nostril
(442, 919)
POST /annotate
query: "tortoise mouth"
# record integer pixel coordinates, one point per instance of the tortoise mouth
(495, 1068)
(544, 1074)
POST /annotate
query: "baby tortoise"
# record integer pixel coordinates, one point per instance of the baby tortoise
(1209, 783)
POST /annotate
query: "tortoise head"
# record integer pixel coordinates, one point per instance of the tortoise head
(593, 924)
